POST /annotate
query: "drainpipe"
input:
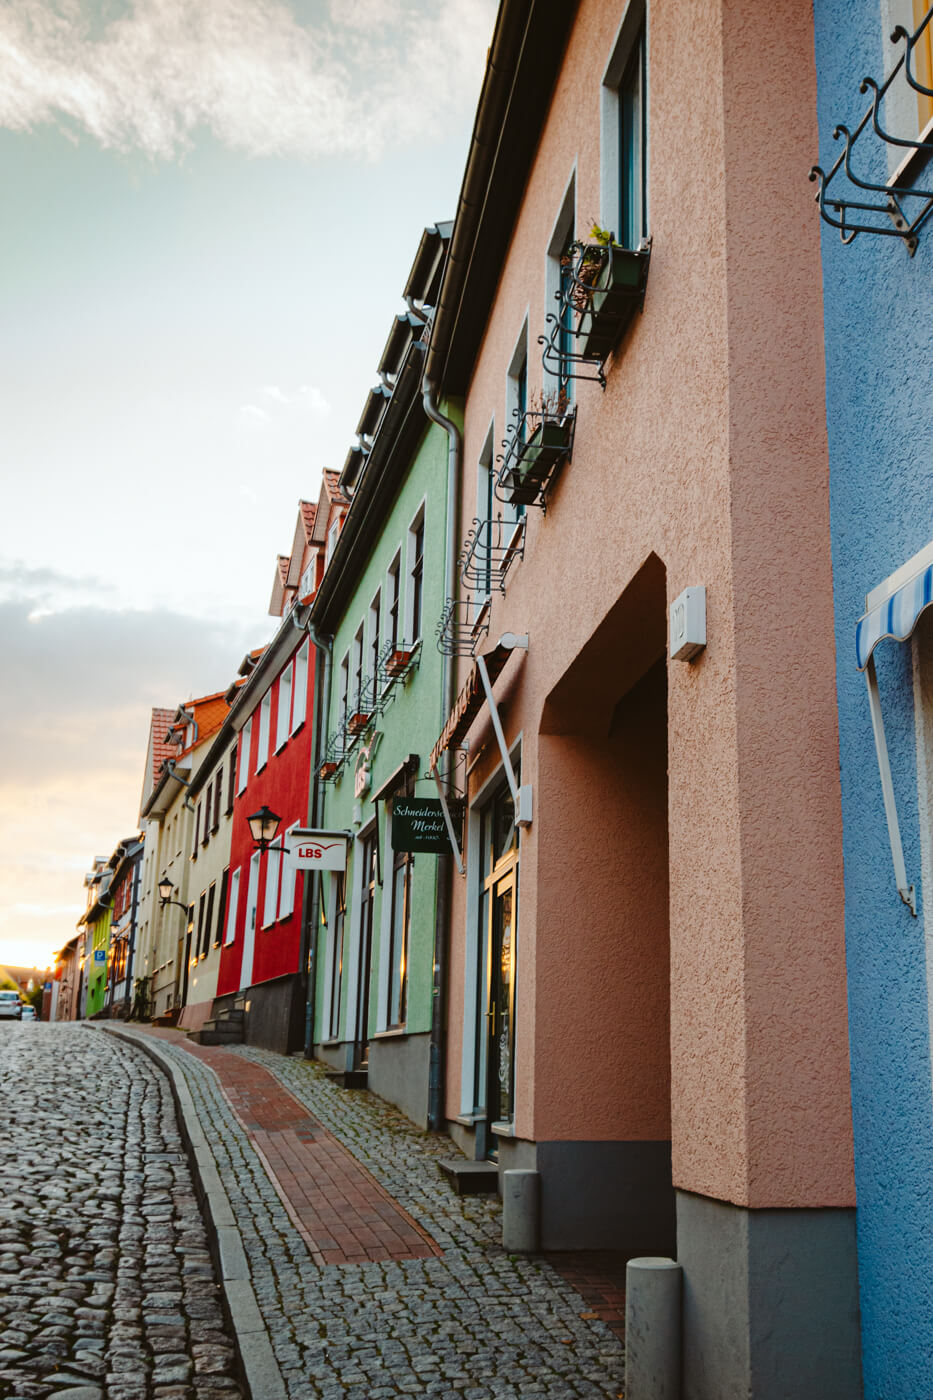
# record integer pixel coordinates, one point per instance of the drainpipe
(311, 921)
(445, 873)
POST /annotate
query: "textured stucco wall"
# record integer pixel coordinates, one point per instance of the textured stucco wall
(879, 329)
(706, 452)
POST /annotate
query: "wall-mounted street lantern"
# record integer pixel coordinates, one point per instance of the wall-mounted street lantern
(166, 890)
(263, 826)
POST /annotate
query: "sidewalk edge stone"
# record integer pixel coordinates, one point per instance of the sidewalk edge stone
(258, 1364)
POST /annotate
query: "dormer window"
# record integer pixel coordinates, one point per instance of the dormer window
(332, 536)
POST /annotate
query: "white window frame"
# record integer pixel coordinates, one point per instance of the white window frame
(343, 692)
(289, 876)
(418, 520)
(374, 631)
(270, 905)
(394, 571)
(283, 713)
(265, 720)
(359, 672)
(562, 233)
(246, 735)
(233, 899)
(610, 191)
(300, 685)
(333, 534)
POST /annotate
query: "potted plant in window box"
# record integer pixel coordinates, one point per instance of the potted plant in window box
(358, 722)
(608, 288)
(327, 769)
(398, 662)
(534, 459)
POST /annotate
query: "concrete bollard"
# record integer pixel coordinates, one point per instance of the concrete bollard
(521, 1206)
(652, 1329)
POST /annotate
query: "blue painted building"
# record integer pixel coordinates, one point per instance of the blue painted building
(878, 309)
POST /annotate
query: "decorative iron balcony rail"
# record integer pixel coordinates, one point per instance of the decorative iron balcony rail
(895, 208)
(602, 287)
(537, 447)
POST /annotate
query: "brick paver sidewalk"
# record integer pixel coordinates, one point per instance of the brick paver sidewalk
(339, 1209)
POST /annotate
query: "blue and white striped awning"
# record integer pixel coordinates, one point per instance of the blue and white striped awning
(896, 616)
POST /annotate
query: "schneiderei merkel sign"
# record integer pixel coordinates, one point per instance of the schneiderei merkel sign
(418, 825)
(318, 850)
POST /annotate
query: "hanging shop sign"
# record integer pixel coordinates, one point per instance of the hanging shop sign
(318, 850)
(418, 825)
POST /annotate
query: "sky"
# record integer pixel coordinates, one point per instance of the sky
(208, 215)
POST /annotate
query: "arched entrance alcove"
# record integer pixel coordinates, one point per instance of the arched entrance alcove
(602, 1114)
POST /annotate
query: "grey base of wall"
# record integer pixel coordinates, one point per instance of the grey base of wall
(770, 1302)
(398, 1072)
(275, 1017)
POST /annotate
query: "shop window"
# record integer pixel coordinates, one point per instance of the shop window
(335, 984)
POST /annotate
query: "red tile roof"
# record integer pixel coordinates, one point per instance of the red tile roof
(308, 512)
(332, 482)
(161, 719)
(282, 562)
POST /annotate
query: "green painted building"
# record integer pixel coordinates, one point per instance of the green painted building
(380, 601)
(96, 921)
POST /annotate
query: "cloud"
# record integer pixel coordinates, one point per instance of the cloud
(285, 409)
(367, 74)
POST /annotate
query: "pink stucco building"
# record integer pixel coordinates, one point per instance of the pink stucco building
(646, 995)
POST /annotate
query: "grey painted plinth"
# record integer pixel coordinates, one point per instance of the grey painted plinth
(606, 1195)
(652, 1329)
(770, 1302)
(521, 1206)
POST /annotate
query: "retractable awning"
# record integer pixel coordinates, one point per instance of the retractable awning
(895, 616)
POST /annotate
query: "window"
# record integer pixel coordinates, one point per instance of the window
(221, 907)
(416, 575)
(289, 877)
(393, 593)
(232, 902)
(208, 802)
(308, 577)
(262, 748)
(231, 779)
(344, 692)
(332, 536)
(284, 713)
(244, 754)
(375, 645)
(197, 829)
(270, 904)
(399, 924)
(336, 966)
(196, 950)
(516, 400)
(208, 920)
(624, 134)
(356, 699)
(218, 787)
(300, 686)
(557, 278)
(485, 498)
(907, 113)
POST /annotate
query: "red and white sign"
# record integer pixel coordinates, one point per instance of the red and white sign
(318, 850)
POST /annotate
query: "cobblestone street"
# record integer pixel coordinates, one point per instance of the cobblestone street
(106, 1284)
(108, 1288)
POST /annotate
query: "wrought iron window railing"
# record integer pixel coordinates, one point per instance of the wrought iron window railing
(489, 551)
(336, 749)
(602, 288)
(852, 202)
(537, 447)
(462, 626)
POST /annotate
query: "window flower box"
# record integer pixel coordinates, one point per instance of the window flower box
(398, 662)
(607, 295)
(327, 770)
(358, 722)
(536, 460)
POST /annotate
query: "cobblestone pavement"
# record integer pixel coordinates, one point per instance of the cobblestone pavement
(472, 1322)
(106, 1284)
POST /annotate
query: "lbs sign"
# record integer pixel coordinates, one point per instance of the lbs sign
(318, 850)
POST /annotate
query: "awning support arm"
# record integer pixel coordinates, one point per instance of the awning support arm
(497, 727)
(452, 835)
(906, 892)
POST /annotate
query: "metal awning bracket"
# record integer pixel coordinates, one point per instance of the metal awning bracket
(520, 796)
(906, 892)
(448, 821)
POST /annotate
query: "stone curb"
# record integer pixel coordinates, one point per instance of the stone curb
(258, 1365)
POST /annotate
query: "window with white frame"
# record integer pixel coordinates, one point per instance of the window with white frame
(289, 878)
(343, 692)
(485, 498)
(375, 646)
(415, 577)
(624, 133)
(356, 698)
(335, 970)
(332, 537)
(233, 897)
(262, 747)
(907, 113)
(393, 602)
(244, 754)
(516, 401)
(308, 577)
(300, 686)
(270, 904)
(556, 279)
(284, 712)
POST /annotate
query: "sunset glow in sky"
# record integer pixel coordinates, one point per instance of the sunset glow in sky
(209, 213)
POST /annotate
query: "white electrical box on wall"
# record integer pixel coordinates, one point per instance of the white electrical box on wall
(688, 624)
